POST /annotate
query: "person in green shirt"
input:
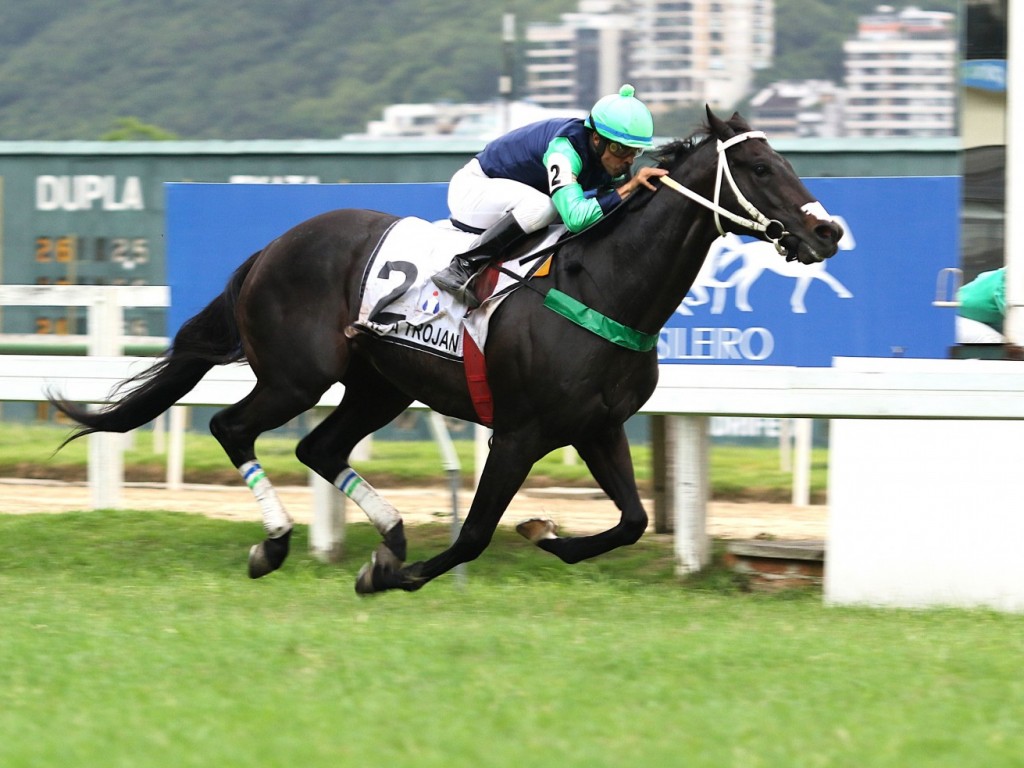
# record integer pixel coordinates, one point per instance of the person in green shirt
(982, 309)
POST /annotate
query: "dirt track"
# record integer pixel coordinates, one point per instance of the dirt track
(575, 510)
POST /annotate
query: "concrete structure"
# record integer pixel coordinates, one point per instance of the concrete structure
(901, 75)
(983, 128)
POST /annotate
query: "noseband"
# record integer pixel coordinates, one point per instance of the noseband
(773, 229)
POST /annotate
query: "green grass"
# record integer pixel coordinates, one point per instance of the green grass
(735, 472)
(133, 639)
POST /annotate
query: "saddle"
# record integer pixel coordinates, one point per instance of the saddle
(399, 303)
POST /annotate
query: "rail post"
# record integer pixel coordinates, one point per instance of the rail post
(106, 450)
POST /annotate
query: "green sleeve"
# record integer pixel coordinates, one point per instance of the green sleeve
(563, 165)
(984, 298)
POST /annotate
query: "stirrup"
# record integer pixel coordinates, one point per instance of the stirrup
(462, 293)
(454, 278)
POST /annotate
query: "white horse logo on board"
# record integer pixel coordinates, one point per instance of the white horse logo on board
(757, 256)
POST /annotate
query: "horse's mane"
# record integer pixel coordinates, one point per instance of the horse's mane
(677, 152)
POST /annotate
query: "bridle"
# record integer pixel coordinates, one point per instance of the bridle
(773, 229)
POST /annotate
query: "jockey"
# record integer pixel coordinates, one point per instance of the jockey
(575, 169)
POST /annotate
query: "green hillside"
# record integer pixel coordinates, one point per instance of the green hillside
(276, 69)
(242, 69)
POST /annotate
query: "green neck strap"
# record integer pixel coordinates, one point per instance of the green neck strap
(595, 322)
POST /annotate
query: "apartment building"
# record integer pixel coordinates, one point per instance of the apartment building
(676, 52)
(901, 74)
(572, 63)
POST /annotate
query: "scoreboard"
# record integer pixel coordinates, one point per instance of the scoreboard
(93, 213)
(74, 229)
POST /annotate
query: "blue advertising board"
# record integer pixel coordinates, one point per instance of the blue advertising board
(748, 305)
(213, 228)
(872, 299)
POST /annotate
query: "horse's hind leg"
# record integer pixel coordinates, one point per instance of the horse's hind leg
(236, 429)
(610, 463)
(370, 402)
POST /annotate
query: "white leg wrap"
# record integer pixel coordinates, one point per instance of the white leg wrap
(276, 519)
(380, 511)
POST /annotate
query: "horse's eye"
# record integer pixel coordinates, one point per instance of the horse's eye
(762, 169)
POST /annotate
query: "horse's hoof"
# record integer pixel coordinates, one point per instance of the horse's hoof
(537, 529)
(364, 579)
(382, 572)
(267, 556)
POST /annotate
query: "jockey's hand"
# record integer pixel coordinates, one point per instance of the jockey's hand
(642, 178)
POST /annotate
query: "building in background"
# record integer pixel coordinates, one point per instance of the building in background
(572, 63)
(483, 121)
(704, 51)
(798, 109)
(901, 80)
(901, 75)
(901, 72)
(676, 53)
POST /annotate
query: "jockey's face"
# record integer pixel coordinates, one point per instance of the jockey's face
(617, 158)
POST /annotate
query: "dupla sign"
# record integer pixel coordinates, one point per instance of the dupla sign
(747, 306)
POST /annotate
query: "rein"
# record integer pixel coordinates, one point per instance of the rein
(772, 228)
(617, 333)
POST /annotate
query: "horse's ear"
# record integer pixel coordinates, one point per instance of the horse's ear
(719, 127)
(737, 120)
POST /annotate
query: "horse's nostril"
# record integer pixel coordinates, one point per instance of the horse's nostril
(830, 232)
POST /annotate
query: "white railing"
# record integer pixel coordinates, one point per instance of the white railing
(105, 305)
(957, 395)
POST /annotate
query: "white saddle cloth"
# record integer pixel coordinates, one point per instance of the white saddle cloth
(401, 304)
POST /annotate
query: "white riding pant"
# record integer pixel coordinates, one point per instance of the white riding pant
(975, 332)
(478, 201)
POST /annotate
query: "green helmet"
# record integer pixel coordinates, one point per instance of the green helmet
(623, 118)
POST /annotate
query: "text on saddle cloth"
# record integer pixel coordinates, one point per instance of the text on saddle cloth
(400, 303)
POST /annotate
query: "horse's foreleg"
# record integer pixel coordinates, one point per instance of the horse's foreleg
(610, 463)
(508, 464)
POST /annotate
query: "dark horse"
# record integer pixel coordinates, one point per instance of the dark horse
(290, 311)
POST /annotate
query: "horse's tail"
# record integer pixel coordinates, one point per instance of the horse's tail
(207, 339)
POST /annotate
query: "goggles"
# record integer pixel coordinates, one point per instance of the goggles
(621, 151)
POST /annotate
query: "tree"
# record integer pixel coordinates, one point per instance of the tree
(133, 129)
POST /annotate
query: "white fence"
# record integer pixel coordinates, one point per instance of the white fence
(105, 305)
(903, 429)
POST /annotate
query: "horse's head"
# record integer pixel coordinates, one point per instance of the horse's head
(757, 192)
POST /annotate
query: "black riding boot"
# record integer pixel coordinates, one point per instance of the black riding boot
(491, 244)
